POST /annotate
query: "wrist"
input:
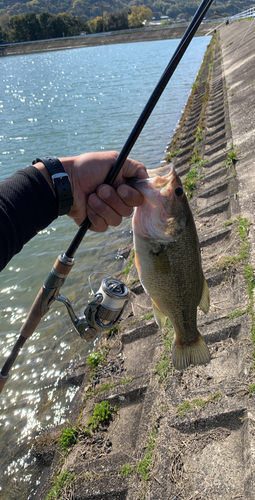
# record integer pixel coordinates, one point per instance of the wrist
(43, 170)
(58, 180)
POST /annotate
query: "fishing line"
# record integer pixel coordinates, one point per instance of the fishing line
(90, 286)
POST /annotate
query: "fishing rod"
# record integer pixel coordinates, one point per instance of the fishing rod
(108, 303)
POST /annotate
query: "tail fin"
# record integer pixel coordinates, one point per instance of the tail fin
(193, 354)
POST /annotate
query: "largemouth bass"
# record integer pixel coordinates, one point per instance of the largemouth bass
(167, 257)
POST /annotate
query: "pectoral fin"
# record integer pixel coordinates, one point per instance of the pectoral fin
(204, 303)
(160, 318)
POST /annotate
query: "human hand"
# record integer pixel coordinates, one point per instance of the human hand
(104, 205)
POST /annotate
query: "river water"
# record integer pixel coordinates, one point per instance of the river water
(65, 103)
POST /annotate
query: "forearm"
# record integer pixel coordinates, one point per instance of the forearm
(27, 205)
(29, 202)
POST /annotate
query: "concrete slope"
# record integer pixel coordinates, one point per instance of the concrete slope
(182, 435)
(239, 72)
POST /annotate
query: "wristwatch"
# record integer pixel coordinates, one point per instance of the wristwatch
(60, 181)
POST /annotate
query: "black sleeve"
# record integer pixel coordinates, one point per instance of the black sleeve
(27, 205)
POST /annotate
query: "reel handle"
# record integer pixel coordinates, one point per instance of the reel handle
(47, 294)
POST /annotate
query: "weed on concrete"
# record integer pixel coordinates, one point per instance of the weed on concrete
(126, 470)
(100, 415)
(68, 438)
(61, 482)
(165, 367)
(198, 403)
(143, 467)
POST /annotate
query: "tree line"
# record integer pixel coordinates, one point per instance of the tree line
(90, 9)
(89, 18)
(32, 26)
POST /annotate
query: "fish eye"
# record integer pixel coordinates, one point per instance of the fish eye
(179, 191)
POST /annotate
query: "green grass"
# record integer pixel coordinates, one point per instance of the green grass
(199, 134)
(191, 178)
(60, 483)
(134, 281)
(241, 259)
(129, 264)
(143, 467)
(226, 263)
(251, 389)
(249, 275)
(237, 313)
(184, 408)
(232, 155)
(194, 87)
(94, 359)
(105, 387)
(126, 470)
(190, 181)
(147, 316)
(231, 158)
(113, 331)
(162, 370)
(126, 380)
(228, 223)
(87, 476)
(101, 415)
(200, 79)
(165, 367)
(173, 153)
(198, 403)
(164, 409)
(68, 438)
(243, 227)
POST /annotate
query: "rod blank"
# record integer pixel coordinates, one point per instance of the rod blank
(183, 45)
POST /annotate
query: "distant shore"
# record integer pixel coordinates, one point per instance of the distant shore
(72, 43)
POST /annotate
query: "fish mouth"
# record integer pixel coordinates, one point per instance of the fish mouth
(154, 186)
(153, 217)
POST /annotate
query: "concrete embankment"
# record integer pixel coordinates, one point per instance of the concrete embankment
(72, 43)
(182, 435)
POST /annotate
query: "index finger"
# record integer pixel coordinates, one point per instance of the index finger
(132, 168)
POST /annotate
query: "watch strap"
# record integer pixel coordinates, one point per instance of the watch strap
(60, 181)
